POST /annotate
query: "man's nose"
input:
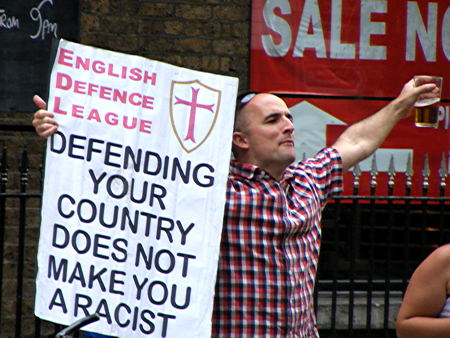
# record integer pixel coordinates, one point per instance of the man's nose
(288, 125)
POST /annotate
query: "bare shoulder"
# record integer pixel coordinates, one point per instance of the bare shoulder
(442, 252)
(439, 258)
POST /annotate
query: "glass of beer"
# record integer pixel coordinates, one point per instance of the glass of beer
(427, 105)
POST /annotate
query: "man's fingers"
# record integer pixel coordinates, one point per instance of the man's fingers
(48, 132)
(428, 87)
(45, 130)
(42, 114)
(429, 90)
(43, 117)
(44, 124)
(39, 102)
(43, 120)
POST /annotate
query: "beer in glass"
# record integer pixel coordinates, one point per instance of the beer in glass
(427, 105)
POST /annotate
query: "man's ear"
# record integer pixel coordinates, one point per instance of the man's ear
(240, 140)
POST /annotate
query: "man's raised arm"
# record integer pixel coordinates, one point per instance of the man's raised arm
(361, 139)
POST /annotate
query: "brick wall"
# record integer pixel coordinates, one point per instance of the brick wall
(206, 35)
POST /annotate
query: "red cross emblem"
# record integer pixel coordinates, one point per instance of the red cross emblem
(193, 112)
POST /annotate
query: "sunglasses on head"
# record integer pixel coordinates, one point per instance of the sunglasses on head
(244, 98)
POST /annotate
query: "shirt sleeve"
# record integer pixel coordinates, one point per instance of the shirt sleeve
(324, 173)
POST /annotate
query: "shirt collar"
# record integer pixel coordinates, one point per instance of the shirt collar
(251, 172)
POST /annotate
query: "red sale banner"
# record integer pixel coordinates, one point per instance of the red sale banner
(348, 47)
(338, 61)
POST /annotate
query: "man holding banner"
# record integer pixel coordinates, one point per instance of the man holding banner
(271, 231)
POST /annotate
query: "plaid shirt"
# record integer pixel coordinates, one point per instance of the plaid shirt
(270, 248)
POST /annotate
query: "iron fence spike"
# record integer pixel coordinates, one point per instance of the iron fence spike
(4, 168)
(443, 168)
(356, 170)
(24, 169)
(373, 172)
(24, 162)
(425, 175)
(443, 174)
(391, 172)
(3, 163)
(409, 170)
(409, 173)
(426, 167)
(374, 167)
(391, 169)
(356, 174)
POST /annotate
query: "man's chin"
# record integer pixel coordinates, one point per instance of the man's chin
(289, 159)
(291, 154)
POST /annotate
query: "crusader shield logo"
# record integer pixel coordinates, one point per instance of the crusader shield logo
(193, 112)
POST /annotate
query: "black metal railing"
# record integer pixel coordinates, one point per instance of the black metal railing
(17, 251)
(371, 245)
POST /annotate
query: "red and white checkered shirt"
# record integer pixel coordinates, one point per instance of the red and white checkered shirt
(270, 248)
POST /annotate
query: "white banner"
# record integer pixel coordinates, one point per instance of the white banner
(134, 193)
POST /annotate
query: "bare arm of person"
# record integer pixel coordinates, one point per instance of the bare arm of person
(424, 298)
(362, 138)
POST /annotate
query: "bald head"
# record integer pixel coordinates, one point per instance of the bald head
(255, 104)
